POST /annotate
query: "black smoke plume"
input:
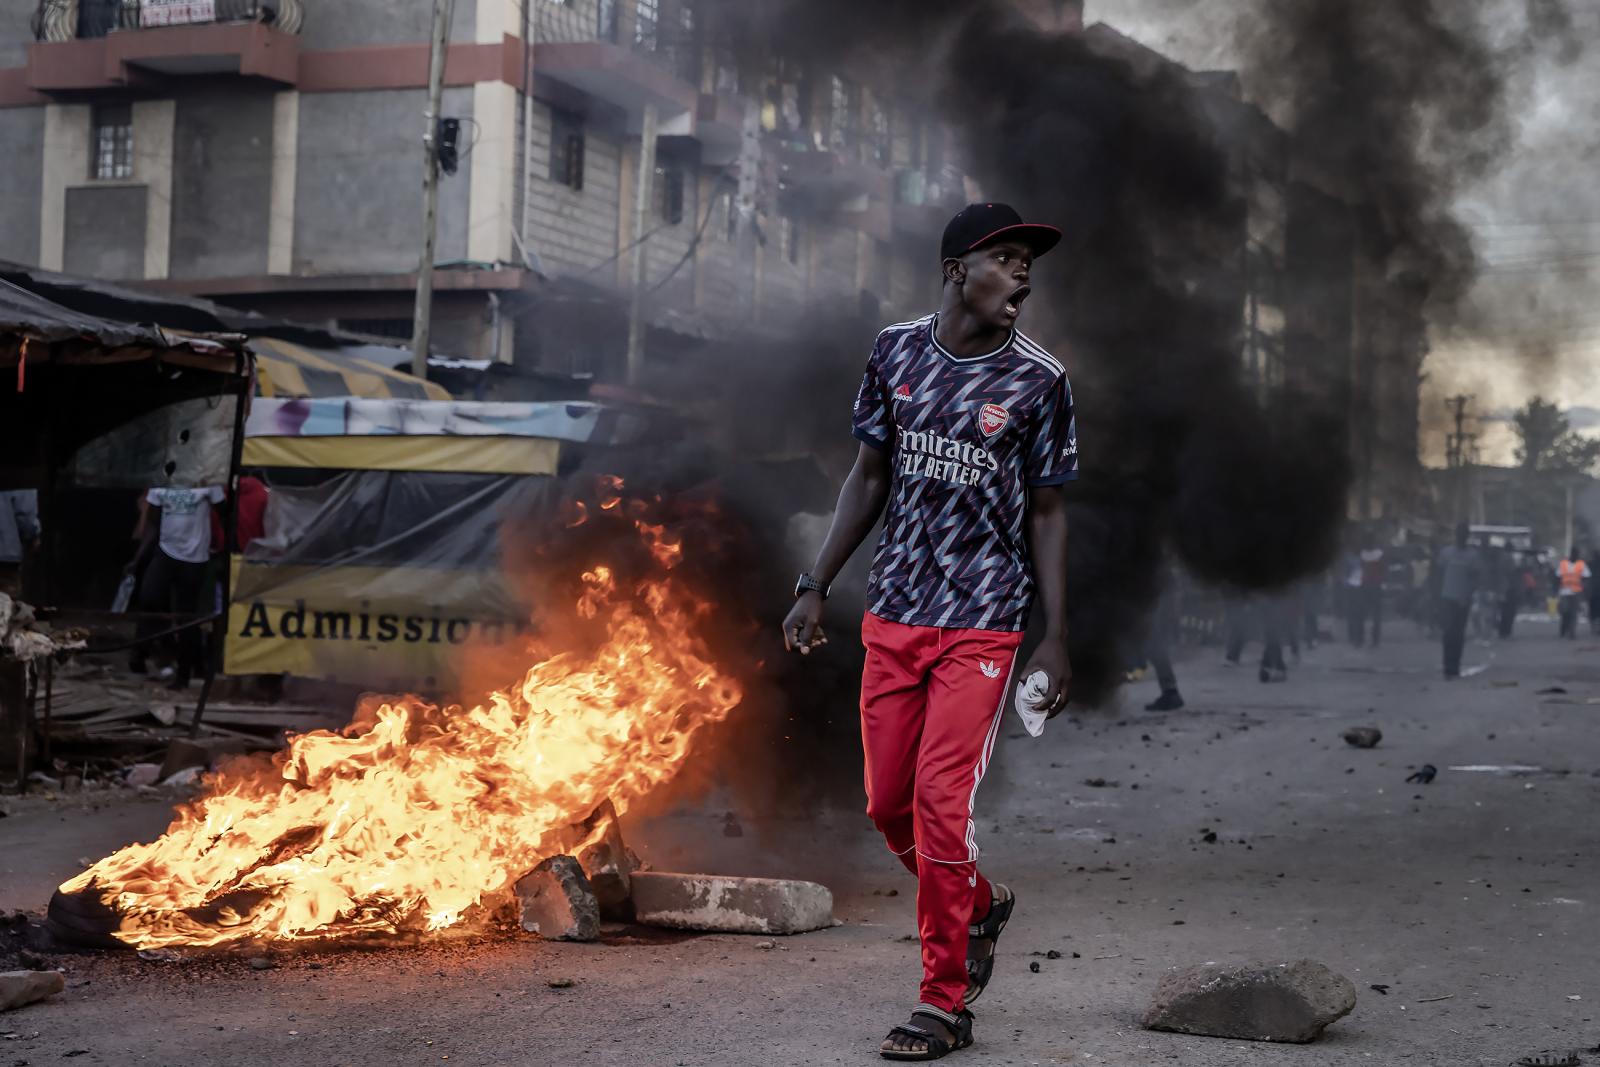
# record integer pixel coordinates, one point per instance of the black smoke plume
(1148, 168)
(1144, 300)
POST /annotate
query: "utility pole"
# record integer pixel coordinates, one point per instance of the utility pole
(1456, 446)
(641, 218)
(443, 11)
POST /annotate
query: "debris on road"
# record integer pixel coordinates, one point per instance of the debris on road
(730, 905)
(261, 963)
(558, 903)
(143, 774)
(1424, 774)
(609, 864)
(1288, 1002)
(1363, 736)
(1379, 988)
(561, 983)
(1550, 1058)
(19, 988)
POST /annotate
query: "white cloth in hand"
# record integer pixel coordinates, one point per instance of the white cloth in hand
(1030, 702)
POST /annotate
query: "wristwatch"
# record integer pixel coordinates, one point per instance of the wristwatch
(808, 584)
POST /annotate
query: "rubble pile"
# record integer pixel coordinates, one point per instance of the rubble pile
(25, 639)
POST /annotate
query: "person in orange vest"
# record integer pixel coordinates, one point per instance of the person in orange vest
(1572, 575)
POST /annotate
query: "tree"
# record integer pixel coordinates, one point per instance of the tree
(1549, 443)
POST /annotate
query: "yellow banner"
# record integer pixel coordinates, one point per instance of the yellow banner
(440, 452)
(384, 627)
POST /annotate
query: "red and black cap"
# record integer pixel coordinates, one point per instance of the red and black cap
(977, 225)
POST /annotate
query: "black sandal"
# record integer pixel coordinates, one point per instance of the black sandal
(982, 938)
(960, 1025)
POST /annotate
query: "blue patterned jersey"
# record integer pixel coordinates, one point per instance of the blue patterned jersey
(969, 437)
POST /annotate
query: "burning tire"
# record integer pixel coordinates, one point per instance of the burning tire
(83, 920)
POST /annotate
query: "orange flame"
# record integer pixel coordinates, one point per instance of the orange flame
(413, 814)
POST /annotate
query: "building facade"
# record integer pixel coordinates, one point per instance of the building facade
(268, 154)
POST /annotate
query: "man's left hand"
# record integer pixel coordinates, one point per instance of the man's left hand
(1051, 657)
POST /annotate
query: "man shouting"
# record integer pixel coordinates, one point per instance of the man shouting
(967, 435)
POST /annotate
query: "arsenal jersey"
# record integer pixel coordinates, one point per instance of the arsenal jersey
(968, 435)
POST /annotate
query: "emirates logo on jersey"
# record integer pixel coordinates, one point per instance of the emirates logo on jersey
(992, 418)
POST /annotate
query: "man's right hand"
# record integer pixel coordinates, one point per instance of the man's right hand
(802, 630)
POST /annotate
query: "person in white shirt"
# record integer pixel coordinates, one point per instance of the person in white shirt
(176, 536)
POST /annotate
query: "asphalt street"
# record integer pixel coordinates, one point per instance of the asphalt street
(1239, 828)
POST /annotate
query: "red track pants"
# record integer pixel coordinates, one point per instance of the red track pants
(931, 701)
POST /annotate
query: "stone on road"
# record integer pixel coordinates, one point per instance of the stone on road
(557, 902)
(1291, 1002)
(1363, 736)
(24, 987)
(731, 905)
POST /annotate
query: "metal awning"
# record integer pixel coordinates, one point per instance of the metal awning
(286, 369)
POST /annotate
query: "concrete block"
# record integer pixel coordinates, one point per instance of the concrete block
(24, 987)
(732, 905)
(557, 901)
(1291, 1002)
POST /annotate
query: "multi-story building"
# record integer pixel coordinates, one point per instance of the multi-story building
(268, 154)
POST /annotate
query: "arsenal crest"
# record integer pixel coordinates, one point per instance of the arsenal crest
(992, 418)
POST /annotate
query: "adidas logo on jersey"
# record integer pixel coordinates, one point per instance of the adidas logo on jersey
(903, 392)
(990, 669)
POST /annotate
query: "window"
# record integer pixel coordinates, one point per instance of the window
(882, 145)
(566, 149)
(789, 239)
(646, 16)
(670, 182)
(113, 143)
(841, 114)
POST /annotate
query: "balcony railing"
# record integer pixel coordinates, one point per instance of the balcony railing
(662, 28)
(65, 20)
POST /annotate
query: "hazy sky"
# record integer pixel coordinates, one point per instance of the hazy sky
(1536, 220)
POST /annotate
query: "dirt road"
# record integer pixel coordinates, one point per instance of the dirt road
(1473, 900)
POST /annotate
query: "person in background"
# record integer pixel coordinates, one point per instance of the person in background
(1158, 646)
(1367, 593)
(175, 536)
(250, 516)
(1594, 597)
(1572, 576)
(1275, 616)
(1350, 593)
(1510, 594)
(19, 535)
(1311, 593)
(1459, 568)
(1240, 617)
